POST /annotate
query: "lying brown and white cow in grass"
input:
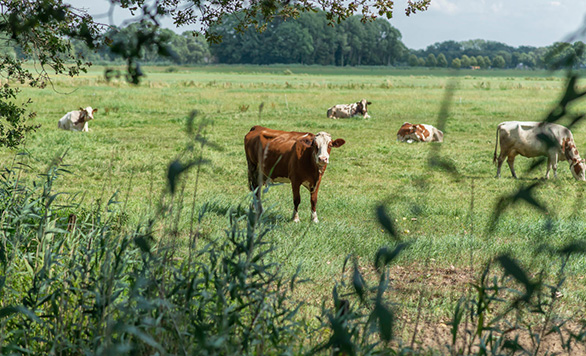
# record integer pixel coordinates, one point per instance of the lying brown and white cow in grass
(77, 120)
(419, 133)
(299, 158)
(348, 110)
(533, 139)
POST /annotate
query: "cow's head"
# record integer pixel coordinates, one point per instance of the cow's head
(86, 114)
(362, 107)
(321, 144)
(407, 132)
(578, 168)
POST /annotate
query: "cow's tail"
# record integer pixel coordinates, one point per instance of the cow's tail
(496, 143)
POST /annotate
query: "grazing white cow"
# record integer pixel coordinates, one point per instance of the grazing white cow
(533, 139)
(419, 133)
(77, 120)
(349, 110)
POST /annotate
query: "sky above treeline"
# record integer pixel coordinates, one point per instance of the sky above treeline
(534, 23)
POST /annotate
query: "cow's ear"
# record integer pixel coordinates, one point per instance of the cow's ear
(338, 142)
(81, 109)
(94, 110)
(368, 103)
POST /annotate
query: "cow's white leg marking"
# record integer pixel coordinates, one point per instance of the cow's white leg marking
(314, 216)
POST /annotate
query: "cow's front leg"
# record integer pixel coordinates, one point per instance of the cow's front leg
(554, 165)
(296, 200)
(551, 163)
(314, 206)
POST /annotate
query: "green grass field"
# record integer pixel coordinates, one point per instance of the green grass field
(139, 130)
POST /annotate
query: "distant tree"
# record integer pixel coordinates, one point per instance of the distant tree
(290, 44)
(473, 62)
(516, 59)
(498, 62)
(190, 48)
(441, 60)
(507, 56)
(413, 62)
(527, 59)
(421, 62)
(456, 63)
(465, 61)
(431, 60)
(480, 62)
(450, 49)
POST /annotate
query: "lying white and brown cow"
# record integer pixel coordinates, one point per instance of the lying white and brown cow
(77, 120)
(419, 133)
(349, 110)
(533, 139)
(299, 158)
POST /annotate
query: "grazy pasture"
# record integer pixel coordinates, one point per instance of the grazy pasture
(139, 130)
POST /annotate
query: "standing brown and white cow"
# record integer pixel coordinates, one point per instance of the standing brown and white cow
(349, 110)
(419, 133)
(299, 158)
(533, 139)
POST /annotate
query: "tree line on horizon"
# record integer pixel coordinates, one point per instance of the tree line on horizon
(309, 40)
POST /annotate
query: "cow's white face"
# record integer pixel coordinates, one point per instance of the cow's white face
(88, 113)
(322, 154)
(578, 169)
(323, 142)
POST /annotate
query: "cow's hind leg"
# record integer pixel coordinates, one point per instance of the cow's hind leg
(255, 182)
(511, 162)
(499, 164)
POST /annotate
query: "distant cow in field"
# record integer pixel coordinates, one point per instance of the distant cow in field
(419, 133)
(77, 120)
(533, 139)
(299, 158)
(349, 110)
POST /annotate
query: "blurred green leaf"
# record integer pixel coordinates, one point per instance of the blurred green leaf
(385, 220)
(358, 282)
(512, 268)
(384, 256)
(386, 321)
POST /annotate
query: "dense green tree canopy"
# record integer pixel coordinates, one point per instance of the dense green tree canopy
(310, 40)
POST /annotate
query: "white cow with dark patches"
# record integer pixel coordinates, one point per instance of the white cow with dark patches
(533, 139)
(77, 120)
(349, 110)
